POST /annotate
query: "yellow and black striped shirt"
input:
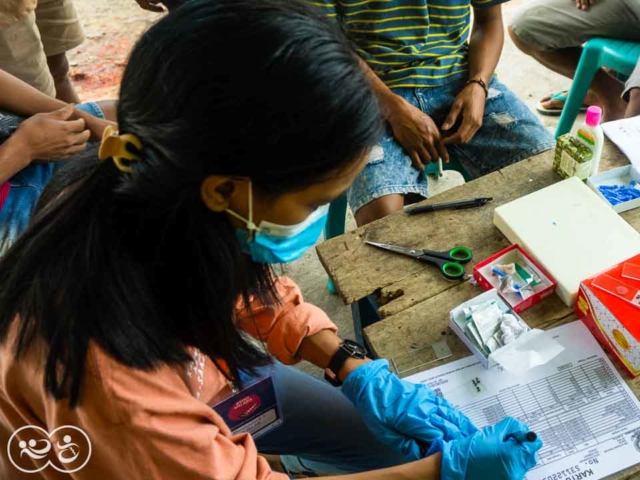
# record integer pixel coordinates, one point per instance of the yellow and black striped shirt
(409, 43)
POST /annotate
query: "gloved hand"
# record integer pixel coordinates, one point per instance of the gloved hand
(488, 455)
(406, 416)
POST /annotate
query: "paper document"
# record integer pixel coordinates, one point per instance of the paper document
(626, 135)
(586, 415)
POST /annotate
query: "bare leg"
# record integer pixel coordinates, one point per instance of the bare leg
(109, 108)
(633, 109)
(605, 90)
(378, 208)
(59, 68)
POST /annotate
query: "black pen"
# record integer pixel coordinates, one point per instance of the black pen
(522, 437)
(459, 205)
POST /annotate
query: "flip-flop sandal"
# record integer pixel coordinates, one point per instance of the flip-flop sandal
(561, 97)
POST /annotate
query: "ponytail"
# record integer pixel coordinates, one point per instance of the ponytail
(26, 289)
(106, 281)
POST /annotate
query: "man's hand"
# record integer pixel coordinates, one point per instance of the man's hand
(470, 105)
(151, 5)
(51, 136)
(416, 133)
(584, 4)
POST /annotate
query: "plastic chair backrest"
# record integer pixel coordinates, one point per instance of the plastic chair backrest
(619, 55)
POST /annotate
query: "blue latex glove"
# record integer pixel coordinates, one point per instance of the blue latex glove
(406, 416)
(488, 455)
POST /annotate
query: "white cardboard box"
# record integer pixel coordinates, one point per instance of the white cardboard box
(457, 316)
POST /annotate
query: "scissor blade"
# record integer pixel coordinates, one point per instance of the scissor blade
(411, 252)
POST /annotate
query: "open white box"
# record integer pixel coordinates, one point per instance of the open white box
(458, 320)
(616, 176)
(531, 349)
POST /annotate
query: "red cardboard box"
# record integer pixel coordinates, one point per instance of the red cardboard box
(614, 321)
(514, 254)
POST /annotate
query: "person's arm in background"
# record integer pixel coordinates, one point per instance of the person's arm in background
(633, 93)
(44, 136)
(485, 48)
(21, 98)
(12, 160)
(633, 109)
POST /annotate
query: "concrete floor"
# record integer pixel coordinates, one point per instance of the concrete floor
(527, 79)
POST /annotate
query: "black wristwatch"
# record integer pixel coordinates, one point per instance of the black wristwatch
(348, 349)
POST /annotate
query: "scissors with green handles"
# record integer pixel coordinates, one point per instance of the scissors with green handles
(449, 263)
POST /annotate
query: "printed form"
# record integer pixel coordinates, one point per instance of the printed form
(625, 134)
(586, 415)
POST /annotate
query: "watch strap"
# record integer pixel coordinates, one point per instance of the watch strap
(337, 361)
(347, 349)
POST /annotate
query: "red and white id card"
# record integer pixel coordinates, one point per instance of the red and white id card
(631, 271)
(254, 409)
(619, 289)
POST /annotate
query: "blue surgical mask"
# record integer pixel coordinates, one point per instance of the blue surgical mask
(273, 243)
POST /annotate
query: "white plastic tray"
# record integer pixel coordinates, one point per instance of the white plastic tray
(616, 176)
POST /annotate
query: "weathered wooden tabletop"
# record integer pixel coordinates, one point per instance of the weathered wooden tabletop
(415, 298)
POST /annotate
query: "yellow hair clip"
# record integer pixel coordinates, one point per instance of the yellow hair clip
(115, 146)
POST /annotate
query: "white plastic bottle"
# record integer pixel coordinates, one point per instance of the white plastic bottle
(590, 134)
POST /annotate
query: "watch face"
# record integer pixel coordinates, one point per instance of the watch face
(355, 349)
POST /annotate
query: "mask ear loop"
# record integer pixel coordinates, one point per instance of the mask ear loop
(252, 227)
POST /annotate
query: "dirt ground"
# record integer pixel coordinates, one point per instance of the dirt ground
(112, 28)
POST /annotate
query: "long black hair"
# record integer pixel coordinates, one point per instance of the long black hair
(69, 174)
(135, 262)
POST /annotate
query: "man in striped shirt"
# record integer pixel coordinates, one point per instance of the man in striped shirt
(434, 77)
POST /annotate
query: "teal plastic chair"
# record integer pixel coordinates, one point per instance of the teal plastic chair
(618, 55)
(338, 208)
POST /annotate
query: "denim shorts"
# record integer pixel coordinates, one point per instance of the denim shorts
(26, 187)
(510, 133)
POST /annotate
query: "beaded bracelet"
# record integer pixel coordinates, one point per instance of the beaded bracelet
(480, 82)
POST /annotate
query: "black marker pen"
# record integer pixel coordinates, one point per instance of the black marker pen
(522, 437)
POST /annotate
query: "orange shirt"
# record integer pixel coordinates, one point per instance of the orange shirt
(150, 425)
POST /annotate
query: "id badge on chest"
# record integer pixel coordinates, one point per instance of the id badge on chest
(254, 409)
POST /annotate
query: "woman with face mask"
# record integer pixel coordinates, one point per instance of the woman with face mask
(125, 306)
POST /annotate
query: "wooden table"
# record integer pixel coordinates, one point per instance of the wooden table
(414, 299)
